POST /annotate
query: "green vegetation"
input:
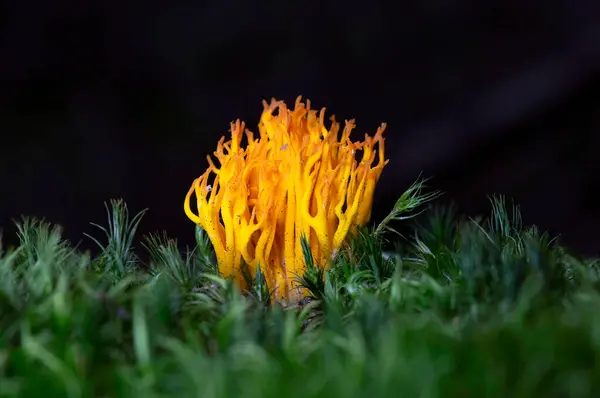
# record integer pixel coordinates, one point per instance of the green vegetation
(464, 308)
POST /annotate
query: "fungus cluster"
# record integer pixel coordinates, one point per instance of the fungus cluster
(298, 178)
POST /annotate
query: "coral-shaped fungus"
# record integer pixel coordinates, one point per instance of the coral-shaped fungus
(297, 179)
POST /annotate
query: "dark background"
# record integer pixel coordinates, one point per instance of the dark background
(124, 99)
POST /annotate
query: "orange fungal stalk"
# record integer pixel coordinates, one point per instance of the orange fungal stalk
(298, 178)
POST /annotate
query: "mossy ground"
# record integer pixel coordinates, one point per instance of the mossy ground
(464, 308)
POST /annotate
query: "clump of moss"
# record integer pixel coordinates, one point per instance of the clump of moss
(464, 308)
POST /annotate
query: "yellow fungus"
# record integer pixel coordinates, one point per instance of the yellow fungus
(298, 178)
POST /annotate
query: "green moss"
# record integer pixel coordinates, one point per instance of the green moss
(465, 308)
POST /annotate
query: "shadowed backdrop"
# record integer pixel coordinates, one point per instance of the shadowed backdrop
(104, 100)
